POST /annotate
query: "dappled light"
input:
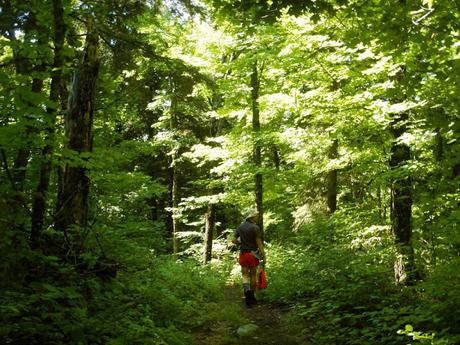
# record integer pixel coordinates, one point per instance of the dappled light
(219, 172)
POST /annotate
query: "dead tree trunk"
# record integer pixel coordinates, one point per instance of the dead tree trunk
(73, 197)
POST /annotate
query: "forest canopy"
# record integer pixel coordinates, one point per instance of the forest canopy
(136, 134)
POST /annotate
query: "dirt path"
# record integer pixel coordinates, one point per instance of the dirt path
(265, 320)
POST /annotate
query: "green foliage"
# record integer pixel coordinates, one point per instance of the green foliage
(173, 114)
(421, 337)
(338, 281)
(156, 305)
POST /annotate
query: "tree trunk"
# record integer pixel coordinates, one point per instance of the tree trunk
(255, 86)
(73, 196)
(210, 225)
(401, 186)
(401, 206)
(276, 157)
(332, 179)
(174, 170)
(40, 197)
(22, 67)
(22, 157)
(439, 147)
(175, 205)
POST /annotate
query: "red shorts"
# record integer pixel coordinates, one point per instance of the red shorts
(247, 259)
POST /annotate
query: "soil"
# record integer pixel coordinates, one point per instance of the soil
(268, 318)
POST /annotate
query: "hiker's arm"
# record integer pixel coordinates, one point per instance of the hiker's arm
(260, 245)
(235, 238)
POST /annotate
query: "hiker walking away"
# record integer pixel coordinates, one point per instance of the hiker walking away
(249, 237)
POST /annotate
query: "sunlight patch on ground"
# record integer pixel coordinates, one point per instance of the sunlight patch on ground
(235, 275)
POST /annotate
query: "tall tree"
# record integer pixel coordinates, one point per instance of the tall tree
(175, 197)
(40, 196)
(401, 187)
(257, 149)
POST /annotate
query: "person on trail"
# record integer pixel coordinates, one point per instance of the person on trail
(249, 237)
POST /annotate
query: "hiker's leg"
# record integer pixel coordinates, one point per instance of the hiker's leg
(253, 278)
(246, 278)
(253, 285)
(246, 285)
(249, 264)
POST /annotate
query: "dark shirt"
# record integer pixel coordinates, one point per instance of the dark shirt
(248, 233)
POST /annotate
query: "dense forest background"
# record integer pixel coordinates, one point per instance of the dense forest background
(135, 134)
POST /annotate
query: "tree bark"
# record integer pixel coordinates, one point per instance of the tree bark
(210, 225)
(257, 156)
(23, 68)
(401, 186)
(332, 179)
(276, 157)
(439, 145)
(401, 205)
(22, 157)
(73, 196)
(174, 170)
(175, 205)
(40, 197)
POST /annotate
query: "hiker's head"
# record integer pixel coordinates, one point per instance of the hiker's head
(252, 216)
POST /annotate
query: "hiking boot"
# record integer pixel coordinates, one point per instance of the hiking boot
(252, 297)
(247, 297)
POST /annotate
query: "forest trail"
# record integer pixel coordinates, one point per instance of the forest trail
(267, 318)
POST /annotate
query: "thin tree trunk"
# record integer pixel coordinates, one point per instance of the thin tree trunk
(40, 197)
(73, 197)
(276, 157)
(332, 179)
(258, 178)
(439, 145)
(174, 171)
(23, 155)
(210, 225)
(175, 205)
(23, 68)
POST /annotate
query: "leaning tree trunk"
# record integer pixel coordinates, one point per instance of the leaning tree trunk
(72, 208)
(255, 86)
(332, 179)
(210, 224)
(40, 197)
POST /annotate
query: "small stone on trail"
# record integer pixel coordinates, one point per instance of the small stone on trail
(247, 330)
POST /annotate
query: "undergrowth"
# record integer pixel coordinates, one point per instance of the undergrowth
(341, 289)
(152, 300)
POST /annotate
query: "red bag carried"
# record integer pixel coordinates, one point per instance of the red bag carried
(262, 279)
